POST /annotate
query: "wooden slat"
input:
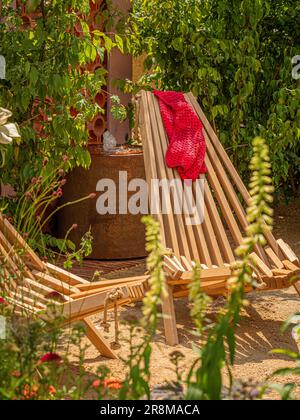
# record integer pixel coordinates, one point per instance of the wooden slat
(210, 274)
(261, 265)
(292, 267)
(230, 192)
(177, 269)
(38, 297)
(169, 318)
(186, 263)
(221, 237)
(23, 306)
(102, 289)
(281, 272)
(14, 255)
(297, 287)
(89, 304)
(65, 276)
(55, 284)
(95, 336)
(170, 233)
(23, 298)
(9, 263)
(112, 283)
(170, 174)
(274, 258)
(192, 237)
(41, 288)
(288, 252)
(16, 240)
(223, 203)
(229, 165)
(150, 167)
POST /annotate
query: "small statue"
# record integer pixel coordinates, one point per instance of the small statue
(109, 142)
(2, 68)
(8, 132)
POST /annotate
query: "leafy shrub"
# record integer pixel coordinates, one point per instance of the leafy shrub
(48, 87)
(236, 56)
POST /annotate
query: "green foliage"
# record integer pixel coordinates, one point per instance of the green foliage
(8, 132)
(34, 365)
(286, 390)
(218, 351)
(33, 213)
(47, 88)
(236, 56)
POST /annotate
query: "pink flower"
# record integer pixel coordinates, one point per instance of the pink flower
(61, 172)
(65, 158)
(74, 226)
(33, 181)
(27, 195)
(50, 358)
(59, 192)
(92, 195)
(63, 182)
(96, 383)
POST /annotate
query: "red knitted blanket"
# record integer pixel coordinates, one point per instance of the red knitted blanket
(187, 146)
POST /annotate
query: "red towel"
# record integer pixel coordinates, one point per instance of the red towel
(187, 146)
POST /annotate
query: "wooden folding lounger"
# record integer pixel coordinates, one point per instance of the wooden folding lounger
(30, 285)
(213, 241)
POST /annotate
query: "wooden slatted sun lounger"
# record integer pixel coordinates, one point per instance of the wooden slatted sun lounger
(212, 242)
(31, 285)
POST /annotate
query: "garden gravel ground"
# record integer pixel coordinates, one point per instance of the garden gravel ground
(258, 332)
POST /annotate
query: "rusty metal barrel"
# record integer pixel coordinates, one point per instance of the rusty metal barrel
(116, 236)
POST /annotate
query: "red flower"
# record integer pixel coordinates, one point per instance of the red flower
(96, 383)
(52, 390)
(107, 383)
(112, 384)
(29, 392)
(50, 358)
(16, 374)
(3, 301)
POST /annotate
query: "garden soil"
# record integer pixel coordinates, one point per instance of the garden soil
(258, 332)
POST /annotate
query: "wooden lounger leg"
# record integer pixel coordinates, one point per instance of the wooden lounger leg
(96, 338)
(169, 318)
(297, 287)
